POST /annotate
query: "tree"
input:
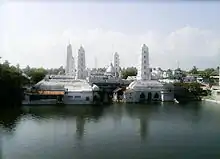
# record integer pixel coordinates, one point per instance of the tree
(194, 70)
(37, 74)
(130, 71)
(11, 83)
(6, 63)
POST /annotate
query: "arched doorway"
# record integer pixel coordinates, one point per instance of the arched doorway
(142, 97)
(156, 96)
(95, 98)
(149, 96)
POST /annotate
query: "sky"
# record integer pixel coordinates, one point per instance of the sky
(36, 33)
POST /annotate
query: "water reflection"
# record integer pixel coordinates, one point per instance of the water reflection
(117, 131)
(81, 114)
(143, 113)
(80, 126)
(1, 144)
(8, 119)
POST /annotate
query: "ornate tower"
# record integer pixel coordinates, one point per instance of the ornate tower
(116, 63)
(144, 68)
(81, 64)
(70, 63)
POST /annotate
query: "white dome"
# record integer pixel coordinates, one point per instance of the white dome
(110, 69)
(142, 84)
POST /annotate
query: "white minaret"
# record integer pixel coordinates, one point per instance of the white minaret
(144, 68)
(116, 63)
(73, 72)
(70, 63)
(81, 64)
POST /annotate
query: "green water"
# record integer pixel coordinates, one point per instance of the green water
(112, 132)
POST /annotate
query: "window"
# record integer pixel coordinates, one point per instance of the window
(70, 96)
(77, 97)
(144, 67)
(144, 56)
(144, 61)
(144, 73)
(87, 98)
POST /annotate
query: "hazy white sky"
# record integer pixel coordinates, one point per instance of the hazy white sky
(37, 34)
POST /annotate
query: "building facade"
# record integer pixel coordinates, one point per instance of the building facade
(146, 89)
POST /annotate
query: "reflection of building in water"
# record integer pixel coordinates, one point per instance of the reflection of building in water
(80, 126)
(117, 115)
(143, 128)
(142, 114)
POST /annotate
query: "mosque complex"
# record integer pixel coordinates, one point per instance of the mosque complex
(145, 86)
(80, 85)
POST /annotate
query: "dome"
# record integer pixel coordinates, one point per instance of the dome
(110, 69)
(141, 84)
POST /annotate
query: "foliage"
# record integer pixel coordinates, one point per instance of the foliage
(130, 71)
(192, 87)
(11, 82)
(194, 70)
(36, 74)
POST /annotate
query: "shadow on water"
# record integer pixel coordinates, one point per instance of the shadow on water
(9, 118)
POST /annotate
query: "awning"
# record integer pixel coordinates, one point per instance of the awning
(51, 92)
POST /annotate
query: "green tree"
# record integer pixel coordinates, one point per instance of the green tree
(194, 70)
(6, 63)
(130, 71)
(11, 83)
(37, 74)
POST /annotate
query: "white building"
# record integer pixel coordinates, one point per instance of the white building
(116, 64)
(70, 62)
(144, 89)
(156, 73)
(144, 68)
(81, 64)
(71, 90)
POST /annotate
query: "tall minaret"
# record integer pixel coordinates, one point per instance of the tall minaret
(144, 68)
(73, 71)
(81, 64)
(116, 63)
(70, 63)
